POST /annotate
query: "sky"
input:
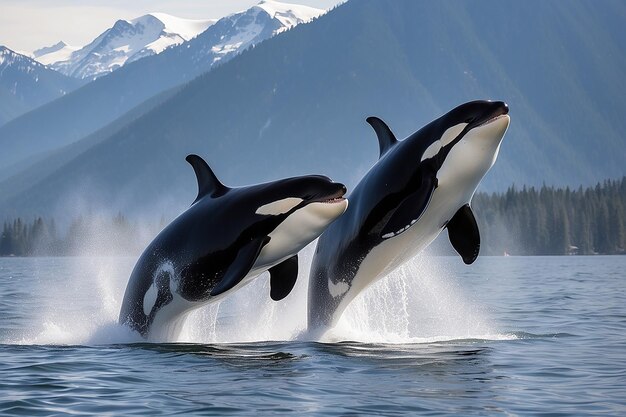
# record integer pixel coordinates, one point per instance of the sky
(26, 25)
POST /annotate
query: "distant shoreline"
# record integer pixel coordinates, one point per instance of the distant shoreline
(547, 221)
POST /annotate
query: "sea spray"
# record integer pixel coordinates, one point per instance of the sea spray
(420, 302)
(77, 301)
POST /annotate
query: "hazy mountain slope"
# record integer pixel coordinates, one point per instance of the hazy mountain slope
(297, 104)
(100, 102)
(26, 84)
(27, 173)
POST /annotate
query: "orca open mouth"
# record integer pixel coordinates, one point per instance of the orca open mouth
(491, 120)
(334, 198)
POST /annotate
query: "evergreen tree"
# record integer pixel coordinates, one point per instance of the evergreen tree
(525, 221)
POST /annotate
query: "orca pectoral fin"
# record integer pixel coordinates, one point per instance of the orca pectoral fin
(409, 211)
(283, 278)
(243, 263)
(464, 234)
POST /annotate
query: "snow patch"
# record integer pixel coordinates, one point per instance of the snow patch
(126, 41)
(289, 14)
(129, 40)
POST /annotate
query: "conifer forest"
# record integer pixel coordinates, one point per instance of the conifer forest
(520, 221)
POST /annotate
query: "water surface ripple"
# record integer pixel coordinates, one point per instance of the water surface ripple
(537, 336)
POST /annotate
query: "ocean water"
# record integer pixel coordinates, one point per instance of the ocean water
(505, 336)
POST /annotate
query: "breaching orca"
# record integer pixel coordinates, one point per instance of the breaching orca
(418, 187)
(227, 237)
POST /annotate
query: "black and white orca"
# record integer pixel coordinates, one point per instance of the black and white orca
(418, 187)
(226, 238)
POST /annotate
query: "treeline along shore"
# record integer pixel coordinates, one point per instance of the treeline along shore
(94, 235)
(526, 221)
(553, 221)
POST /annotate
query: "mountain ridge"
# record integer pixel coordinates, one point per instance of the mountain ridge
(102, 101)
(281, 110)
(126, 41)
(25, 84)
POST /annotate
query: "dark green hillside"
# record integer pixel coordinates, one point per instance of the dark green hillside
(296, 104)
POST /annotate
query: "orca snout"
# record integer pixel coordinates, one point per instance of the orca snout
(335, 194)
(317, 188)
(342, 190)
(488, 112)
(500, 108)
(331, 189)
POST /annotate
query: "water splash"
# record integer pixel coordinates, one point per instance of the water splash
(76, 301)
(422, 302)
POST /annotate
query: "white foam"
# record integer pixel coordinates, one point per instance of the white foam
(419, 303)
(78, 303)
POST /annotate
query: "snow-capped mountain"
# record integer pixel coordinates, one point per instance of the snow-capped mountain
(233, 34)
(107, 98)
(26, 84)
(289, 14)
(130, 40)
(55, 53)
(125, 42)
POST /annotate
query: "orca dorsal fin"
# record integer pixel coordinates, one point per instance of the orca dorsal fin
(386, 138)
(207, 181)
